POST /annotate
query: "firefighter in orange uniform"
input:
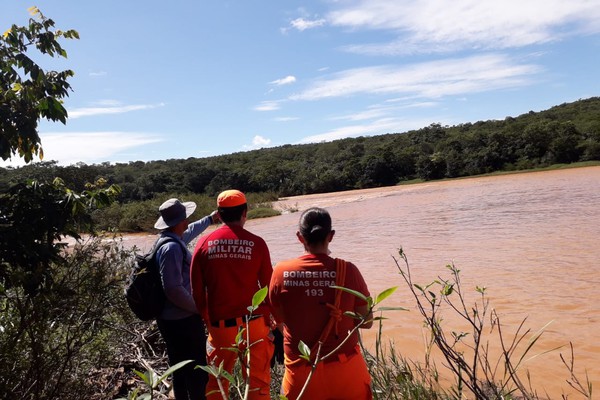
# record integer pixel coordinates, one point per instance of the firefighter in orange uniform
(229, 265)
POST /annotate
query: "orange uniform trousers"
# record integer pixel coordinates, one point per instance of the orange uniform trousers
(337, 378)
(221, 338)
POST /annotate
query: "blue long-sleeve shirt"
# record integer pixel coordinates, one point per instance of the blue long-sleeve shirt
(174, 263)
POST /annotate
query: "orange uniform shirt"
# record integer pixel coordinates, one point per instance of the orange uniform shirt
(299, 291)
(228, 267)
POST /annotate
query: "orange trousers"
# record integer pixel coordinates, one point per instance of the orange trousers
(343, 378)
(261, 350)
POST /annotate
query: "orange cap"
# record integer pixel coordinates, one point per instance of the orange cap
(231, 198)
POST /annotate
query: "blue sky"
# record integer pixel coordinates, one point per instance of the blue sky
(158, 80)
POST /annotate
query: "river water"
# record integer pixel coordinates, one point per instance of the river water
(532, 239)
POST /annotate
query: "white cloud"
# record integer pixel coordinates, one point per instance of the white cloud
(267, 106)
(285, 119)
(258, 142)
(109, 108)
(378, 127)
(428, 80)
(91, 147)
(303, 24)
(107, 103)
(418, 104)
(365, 115)
(284, 81)
(390, 108)
(98, 73)
(431, 25)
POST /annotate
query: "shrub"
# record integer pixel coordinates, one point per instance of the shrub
(51, 341)
(262, 212)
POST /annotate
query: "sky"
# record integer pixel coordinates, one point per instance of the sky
(158, 80)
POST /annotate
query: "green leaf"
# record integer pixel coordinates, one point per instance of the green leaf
(143, 376)
(232, 349)
(173, 369)
(393, 309)
(259, 297)
(33, 11)
(209, 369)
(385, 294)
(448, 289)
(239, 338)
(379, 318)
(228, 376)
(149, 377)
(304, 349)
(352, 314)
(352, 292)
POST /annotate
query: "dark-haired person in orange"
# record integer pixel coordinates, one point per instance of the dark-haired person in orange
(302, 299)
(228, 267)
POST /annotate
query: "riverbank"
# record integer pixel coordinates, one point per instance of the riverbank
(292, 204)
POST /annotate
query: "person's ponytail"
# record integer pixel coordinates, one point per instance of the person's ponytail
(315, 225)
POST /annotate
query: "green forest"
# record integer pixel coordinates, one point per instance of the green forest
(565, 133)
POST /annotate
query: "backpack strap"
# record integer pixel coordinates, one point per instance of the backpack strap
(335, 313)
(164, 240)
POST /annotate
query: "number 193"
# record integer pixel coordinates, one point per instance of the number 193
(314, 292)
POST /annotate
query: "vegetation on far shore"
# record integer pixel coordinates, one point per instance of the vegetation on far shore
(565, 135)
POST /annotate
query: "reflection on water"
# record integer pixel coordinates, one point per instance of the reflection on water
(531, 239)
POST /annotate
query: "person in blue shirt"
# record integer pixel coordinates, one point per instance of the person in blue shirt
(180, 324)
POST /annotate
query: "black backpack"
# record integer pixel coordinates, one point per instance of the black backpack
(143, 290)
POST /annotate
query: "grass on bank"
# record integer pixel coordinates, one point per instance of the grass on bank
(140, 216)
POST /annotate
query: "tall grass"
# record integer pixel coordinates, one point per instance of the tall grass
(140, 216)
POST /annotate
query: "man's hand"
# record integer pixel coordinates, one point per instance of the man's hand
(215, 217)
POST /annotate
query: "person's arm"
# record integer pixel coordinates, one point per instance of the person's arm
(170, 260)
(274, 300)
(266, 268)
(197, 284)
(363, 310)
(196, 228)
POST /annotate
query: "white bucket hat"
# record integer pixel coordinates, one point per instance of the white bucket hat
(172, 212)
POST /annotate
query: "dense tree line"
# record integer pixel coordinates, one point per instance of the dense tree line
(563, 134)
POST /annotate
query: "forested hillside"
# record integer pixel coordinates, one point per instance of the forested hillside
(563, 134)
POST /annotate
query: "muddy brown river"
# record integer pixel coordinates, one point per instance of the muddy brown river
(532, 239)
